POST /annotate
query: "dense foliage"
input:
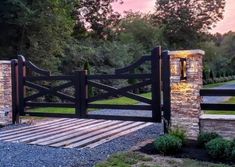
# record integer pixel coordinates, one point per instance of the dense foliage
(220, 149)
(168, 144)
(62, 35)
(205, 137)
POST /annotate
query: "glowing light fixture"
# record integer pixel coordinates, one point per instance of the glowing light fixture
(183, 69)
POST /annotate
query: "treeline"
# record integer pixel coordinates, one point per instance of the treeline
(63, 35)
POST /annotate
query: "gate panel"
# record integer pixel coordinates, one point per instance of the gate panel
(24, 79)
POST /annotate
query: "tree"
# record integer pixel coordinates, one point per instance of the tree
(138, 28)
(187, 21)
(96, 18)
(37, 29)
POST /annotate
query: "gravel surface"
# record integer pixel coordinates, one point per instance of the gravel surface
(23, 155)
(132, 113)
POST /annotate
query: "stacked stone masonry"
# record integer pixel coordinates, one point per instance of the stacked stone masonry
(5, 93)
(224, 125)
(185, 97)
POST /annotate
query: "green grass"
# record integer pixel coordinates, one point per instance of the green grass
(135, 159)
(117, 101)
(218, 84)
(230, 101)
(217, 112)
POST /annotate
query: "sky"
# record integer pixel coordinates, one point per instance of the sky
(145, 6)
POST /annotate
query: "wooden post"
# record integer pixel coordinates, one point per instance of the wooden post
(77, 91)
(156, 84)
(166, 90)
(83, 93)
(21, 75)
(15, 102)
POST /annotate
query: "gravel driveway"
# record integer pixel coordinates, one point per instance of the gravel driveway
(23, 155)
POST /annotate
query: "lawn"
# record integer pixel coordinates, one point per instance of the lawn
(117, 101)
(136, 159)
(230, 101)
(218, 84)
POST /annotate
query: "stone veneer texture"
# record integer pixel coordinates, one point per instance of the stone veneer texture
(224, 125)
(185, 97)
(5, 93)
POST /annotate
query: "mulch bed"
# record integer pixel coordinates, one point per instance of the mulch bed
(189, 150)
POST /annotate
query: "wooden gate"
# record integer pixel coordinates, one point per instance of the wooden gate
(32, 86)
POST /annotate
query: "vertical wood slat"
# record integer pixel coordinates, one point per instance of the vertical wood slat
(83, 93)
(77, 91)
(156, 83)
(14, 78)
(21, 75)
(166, 90)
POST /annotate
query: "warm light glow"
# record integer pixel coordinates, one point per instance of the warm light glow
(175, 69)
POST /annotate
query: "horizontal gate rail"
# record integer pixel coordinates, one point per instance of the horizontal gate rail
(220, 107)
(54, 115)
(121, 107)
(217, 92)
(49, 104)
(119, 76)
(50, 78)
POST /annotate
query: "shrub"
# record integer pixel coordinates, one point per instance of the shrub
(205, 137)
(168, 144)
(177, 132)
(210, 81)
(219, 148)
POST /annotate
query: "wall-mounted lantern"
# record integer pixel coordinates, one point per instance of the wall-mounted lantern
(183, 69)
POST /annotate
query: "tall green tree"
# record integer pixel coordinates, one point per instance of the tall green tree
(36, 29)
(96, 18)
(187, 21)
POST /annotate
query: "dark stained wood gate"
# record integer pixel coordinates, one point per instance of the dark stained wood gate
(31, 83)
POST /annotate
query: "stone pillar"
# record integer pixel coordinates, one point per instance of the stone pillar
(5, 93)
(186, 82)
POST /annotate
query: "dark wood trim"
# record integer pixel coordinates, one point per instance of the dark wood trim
(57, 115)
(134, 65)
(221, 107)
(36, 69)
(45, 104)
(50, 78)
(166, 90)
(21, 89)
(217, 92)
(156, 84)
(119, 76)
(121, 107)
(15, 103)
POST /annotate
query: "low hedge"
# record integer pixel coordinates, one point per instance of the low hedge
(218, 80)
(220, 149)
(168, 144)
(205, 137)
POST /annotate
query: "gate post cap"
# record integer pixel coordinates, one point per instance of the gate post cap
(186, 53)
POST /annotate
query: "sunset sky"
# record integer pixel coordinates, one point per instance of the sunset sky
(227, 24)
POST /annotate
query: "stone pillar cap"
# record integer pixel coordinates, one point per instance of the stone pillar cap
(5, 62)
(183, 53)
